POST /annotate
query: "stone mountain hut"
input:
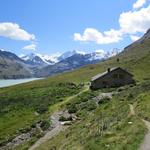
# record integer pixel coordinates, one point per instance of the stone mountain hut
(113, 77)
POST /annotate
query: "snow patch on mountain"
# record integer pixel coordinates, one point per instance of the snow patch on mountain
(40, 59)
(53, 58)
(114, 52)
(102, 55)
(69, 54)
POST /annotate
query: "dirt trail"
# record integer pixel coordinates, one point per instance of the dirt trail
(145, 145)
(132, 110)
(71, 97)
(57, 127)
(56, 124)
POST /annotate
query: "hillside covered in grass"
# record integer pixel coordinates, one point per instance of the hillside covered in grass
(110, 125)
(22, 106)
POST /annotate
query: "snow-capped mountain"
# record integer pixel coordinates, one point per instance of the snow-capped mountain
(113, 52)
(75, 61)
(38, 59)
(97, 55)
(52, 59)
(46, 65)
(69, 54)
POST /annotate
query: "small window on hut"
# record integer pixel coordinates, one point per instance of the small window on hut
(104, 83)
(115, 76)
(118, 76)
(121, 76)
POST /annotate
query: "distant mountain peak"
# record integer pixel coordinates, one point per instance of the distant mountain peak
(34, 59)
(12, 66)
(148, 31)
(2, 50)
(44, 60)
(79, 52)
(69, 54)
(147, 34)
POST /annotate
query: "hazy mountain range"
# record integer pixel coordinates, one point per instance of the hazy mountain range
(39, 59)
(38, 65)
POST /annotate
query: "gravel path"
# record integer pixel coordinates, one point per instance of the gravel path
(146, 142)
(56, 124)
(57, 127)
(132, 110)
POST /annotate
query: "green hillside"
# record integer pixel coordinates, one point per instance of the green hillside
(22, 106)
(108, 126)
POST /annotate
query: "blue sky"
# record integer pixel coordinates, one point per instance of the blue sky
(51, 26)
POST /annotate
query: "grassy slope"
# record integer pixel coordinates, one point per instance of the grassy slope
(106, 127)
(136, 60)
(19, 105)
(142, 105)
(121, 135)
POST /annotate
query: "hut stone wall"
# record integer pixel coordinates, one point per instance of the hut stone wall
(115, 78)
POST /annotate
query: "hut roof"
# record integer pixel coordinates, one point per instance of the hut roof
(100, 75)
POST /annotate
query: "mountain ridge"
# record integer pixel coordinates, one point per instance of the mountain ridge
(11, 66)
(75, 61)
(33, 65)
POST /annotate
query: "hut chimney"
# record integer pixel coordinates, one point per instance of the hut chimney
(108, 70)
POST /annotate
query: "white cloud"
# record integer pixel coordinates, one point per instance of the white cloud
(91, 34)
(135, 21)
(13, 31)
(131, 23)
(134, 37)
(30, 47)
(139, 4)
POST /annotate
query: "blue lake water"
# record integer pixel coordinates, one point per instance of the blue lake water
(10, 82)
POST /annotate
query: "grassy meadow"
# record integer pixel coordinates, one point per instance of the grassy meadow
(106, 126)
(23, 105)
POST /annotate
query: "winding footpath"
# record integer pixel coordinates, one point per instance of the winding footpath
(145, 145)
(57, 127)
(56, 124)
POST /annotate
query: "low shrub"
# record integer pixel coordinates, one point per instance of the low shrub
(62, 118)
(91, 106)
(72, 109)
(104, 100)
(42, 108)
(45, 124)
(130, 96)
